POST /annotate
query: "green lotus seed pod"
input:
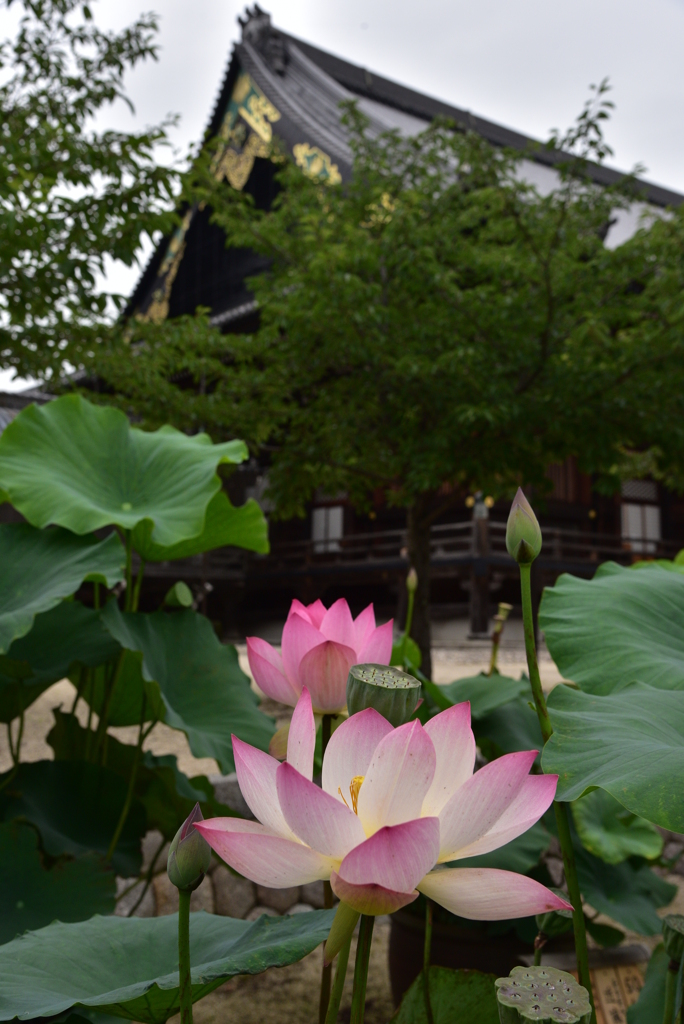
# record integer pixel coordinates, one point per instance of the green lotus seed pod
(189, 854)
(393, 693)
(542, 994)
(555, 922)
(523, 534)
(412, 581)
(673, 936)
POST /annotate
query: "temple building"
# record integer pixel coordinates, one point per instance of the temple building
(279, 86)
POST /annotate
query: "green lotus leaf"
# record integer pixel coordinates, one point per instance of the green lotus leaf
(32, 896)
(205, 692)
(165, 792)
(484, 692)
(456, 997)
(40, 567)
(619, 627)
(628, 893)
(75, 806)
(128, 967)
(650, 1006)
(611, 832)
(629, 743)
(225, 525)
(83, 466)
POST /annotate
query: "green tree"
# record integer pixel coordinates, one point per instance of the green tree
(434, 324)
(71, 195)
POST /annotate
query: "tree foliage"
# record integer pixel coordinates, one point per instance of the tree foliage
(71, 195)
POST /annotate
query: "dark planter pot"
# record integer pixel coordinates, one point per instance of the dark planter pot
(456, 946)
(452, 946)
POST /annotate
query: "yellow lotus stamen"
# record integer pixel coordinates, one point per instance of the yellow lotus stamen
(339, 790)
(354, 790)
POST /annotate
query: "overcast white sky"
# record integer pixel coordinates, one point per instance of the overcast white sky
(526, 64)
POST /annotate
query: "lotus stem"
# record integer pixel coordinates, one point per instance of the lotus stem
(110, 686)
(338, 984)
(138, 584)
(326, 970)
(670, 991)
(148, 878)
(82, 677)
(129, 571)
(131, 786)
(15, 749)
(409, 621)
(184, 980)
(363, 948)
(427, 948)
(560, 809)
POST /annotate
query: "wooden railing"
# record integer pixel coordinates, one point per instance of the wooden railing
(451, 545)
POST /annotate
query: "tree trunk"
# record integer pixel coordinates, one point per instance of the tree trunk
(419, 557)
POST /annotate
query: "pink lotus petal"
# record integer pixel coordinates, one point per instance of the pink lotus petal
(534, 798)
(364, 624)
(398, 777)
(301, 609)
(256, 774)
(299, 637)
(378, 646)
(301, 738)
(454, 745)
(324, 670)
(338, 624)
(316, 613)
(474, 809)
(319, 820)
(256, 853)
(396, 857)
(350, 750)
(371, 898)
(267, 669)
(487, 894)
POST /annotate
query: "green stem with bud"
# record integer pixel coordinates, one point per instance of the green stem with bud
(670, 991)
(409, 622)
(184, 980)
(363, 948)
(560, 809)
(338, 984)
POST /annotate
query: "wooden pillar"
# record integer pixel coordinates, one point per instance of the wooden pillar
(479, 573)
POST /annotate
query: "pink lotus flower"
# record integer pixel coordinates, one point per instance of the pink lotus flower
(318, 649)
(395, 805)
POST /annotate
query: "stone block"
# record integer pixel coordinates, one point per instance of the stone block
(227, 791)
(312, 893)
(233, 897)
(300, 908)
(279, 899)
(126, 903)
(166, 896)
(150, 845)
(259, 911)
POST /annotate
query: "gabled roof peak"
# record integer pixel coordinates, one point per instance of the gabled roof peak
(258, 30)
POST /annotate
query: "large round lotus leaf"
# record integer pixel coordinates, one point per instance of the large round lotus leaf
(205, 692)
(32, 896)
(629, 743)
(650, 1006)
(40, 567)
(456, 997)
(484, 692)
(129, 966)
(620, 626)
(83, 466)
(224, 526)
(611, 832)
(75, 806)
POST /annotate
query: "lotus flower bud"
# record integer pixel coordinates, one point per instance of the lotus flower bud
(190, 854)
(392, 692)
(523, 535)
(412, 581)
(544, 994)
(673, 936)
